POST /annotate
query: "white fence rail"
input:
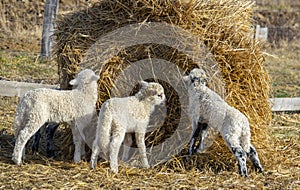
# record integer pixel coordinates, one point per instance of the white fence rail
(285, 104)
(12, 88)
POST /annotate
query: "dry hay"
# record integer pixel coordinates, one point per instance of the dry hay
(39, 172)
(223, 26)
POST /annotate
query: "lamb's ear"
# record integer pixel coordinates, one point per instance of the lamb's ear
(95, 77)
(73, 82)
(144, 83)
(205, 77)
(186, 78)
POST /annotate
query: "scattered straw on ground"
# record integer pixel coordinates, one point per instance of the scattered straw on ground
(282, 171)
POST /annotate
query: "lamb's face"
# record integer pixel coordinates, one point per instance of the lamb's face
(153, 92)
(86, 76)
(197, 78)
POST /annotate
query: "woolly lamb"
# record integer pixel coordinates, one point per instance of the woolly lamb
(120, 115)
(75, 107)
(208, 109)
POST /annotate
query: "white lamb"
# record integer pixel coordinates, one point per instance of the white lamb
(208, 109)
(120, 115)
(77, 107)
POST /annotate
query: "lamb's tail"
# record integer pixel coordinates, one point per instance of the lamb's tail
(104, 128)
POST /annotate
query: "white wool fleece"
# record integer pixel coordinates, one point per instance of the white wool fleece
(76, 107)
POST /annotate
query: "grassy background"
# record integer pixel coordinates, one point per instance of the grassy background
(283, 65)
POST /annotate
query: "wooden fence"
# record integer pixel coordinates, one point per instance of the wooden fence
(12, 88)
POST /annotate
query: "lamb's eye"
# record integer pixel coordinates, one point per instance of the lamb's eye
(160, 95)
(194, 79)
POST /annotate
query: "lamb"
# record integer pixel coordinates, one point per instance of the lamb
(76, 107)
(208, 109)
(120, 115)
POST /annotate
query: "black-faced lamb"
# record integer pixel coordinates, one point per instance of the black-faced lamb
(76, 107)
(208, 109)
(129, 114)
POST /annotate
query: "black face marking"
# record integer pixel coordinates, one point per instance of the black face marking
(195, 79)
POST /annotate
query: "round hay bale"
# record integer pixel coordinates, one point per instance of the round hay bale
(224, 27)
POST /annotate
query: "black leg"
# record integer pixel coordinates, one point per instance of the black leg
(253, 156)
(36, 139)
(202, 133)
(49, 139)
(193, 140)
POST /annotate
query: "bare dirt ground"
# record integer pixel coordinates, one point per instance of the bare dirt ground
(20, 43)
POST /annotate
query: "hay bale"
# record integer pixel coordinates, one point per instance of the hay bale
(223, 26)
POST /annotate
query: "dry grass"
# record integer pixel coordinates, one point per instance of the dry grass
(283, 64)
(26, 67)
(27, 22)
(21, 22)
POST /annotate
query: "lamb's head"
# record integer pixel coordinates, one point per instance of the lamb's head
(151, 92)
(197, 78)
(84, 77)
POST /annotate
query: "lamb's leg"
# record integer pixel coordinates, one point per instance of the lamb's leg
(127, 144)
(95, 152)
(253, 156)
(36, 139)
(78, 141)
(118, 136)
(240, 155)
(23, 137)
(51, 128)
(203, 131)
(194, 137)
(140, 141)
(83, 153)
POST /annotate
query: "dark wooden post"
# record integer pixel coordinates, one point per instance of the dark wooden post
(50, 12)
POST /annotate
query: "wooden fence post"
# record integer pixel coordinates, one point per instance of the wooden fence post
(50, 12)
